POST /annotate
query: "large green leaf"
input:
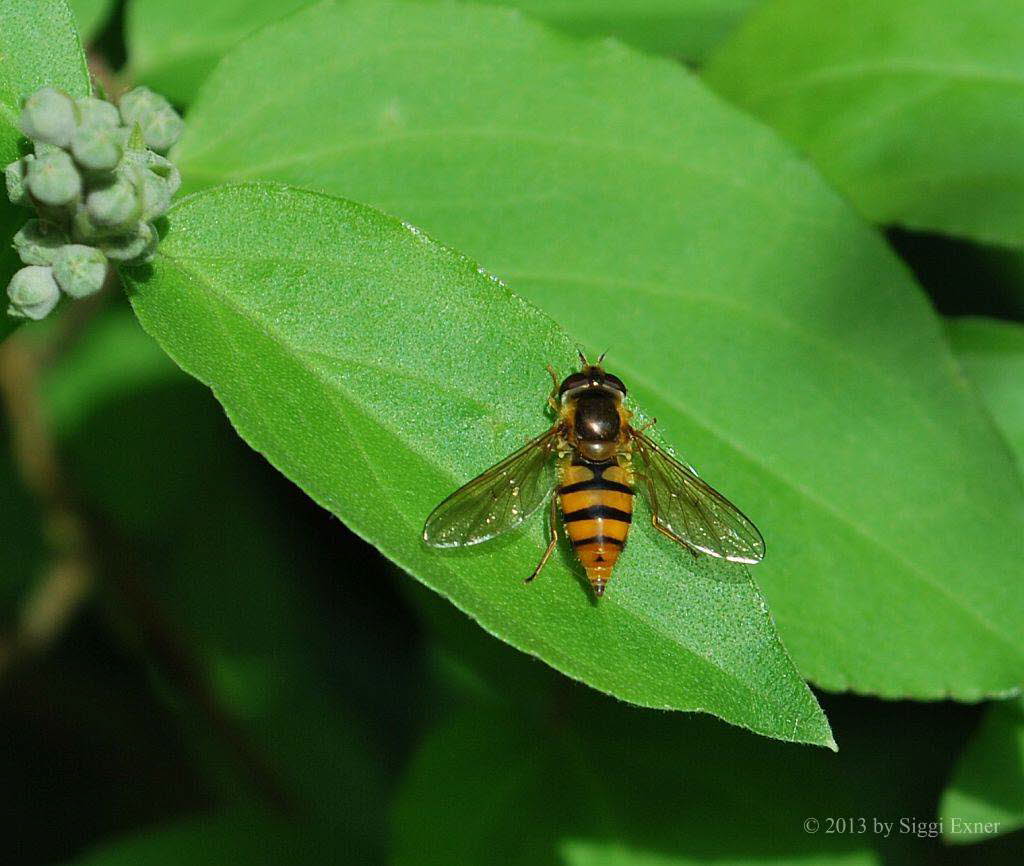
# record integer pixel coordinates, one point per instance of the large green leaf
(912, 109)
(378, 370)
(488, 780)
(536, 768)
(992, 353)
(216, 840)
(986, 796)
(783, 348)
(173, 46)
(680, 28)
(576, 852)
(39, 46)
(90, 15)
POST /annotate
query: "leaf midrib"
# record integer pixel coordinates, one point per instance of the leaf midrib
(826, 75)
(780, 323)
(355, 143)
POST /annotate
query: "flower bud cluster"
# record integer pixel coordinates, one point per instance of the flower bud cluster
(97, 178)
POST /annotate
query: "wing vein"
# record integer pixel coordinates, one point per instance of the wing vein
(498, 500)
(693, 512)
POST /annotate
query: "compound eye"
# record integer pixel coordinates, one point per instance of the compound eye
(615, 382)
(576, 380)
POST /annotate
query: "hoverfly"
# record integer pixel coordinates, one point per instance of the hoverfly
(595, 444)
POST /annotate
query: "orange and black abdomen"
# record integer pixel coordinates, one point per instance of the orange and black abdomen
(597, 508)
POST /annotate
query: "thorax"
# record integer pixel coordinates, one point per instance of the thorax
(596, 424)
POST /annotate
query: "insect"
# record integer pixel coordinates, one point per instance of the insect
(594, 446)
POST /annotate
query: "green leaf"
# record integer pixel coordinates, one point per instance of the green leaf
(783, 348)
(117, 371)
(679, 28)
(90, 15)
(378, 370)
(487, 779)
(992, 353)
(213, 841)
(39, 46)
(541, 768)
(114, 359)
(535, 767)
(173, 46)
(986, 796)
(912, 109)
(577, 852)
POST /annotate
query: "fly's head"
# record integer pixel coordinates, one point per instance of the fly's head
(593, 399)
(593, 378)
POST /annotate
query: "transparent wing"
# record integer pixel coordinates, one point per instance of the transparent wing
(692, 511)
(497, 501)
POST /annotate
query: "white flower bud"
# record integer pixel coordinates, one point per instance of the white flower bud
(80, 270)
(96, 147)
(38, 241)
(160, 124)
(156, 194)
(33, 292)
(48, 115)
(116, 204)
(97, 112)
(53, 179)
(136, 244)
(163, 167)
(14, 175)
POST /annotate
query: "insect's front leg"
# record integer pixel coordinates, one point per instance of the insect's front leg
(552, 402)
(551, 543)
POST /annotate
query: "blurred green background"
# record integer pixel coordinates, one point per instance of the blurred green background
(200, 665)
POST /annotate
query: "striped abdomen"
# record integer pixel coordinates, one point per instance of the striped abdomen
(597, 507)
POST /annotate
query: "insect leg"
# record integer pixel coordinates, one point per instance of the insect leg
(649, 424)
(668, 533)
(551, 543)
(552, 402)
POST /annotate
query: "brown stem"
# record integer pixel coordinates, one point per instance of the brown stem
(70, 577)
(113, 84)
